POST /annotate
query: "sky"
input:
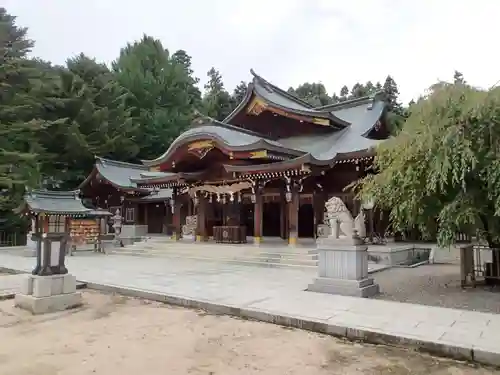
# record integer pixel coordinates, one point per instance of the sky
(288, 42)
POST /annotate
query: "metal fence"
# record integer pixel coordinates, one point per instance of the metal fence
(8, 239)
(479, 263)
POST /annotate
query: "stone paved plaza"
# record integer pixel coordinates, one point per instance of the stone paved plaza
(281, 292)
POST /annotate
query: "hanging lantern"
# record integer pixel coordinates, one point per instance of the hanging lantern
(253, 197)
(288, 196)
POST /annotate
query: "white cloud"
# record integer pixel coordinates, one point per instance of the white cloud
(287, 41)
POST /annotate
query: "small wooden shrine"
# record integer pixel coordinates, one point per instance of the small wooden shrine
(58, 219)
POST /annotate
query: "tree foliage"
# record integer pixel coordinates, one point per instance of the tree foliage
(163, 93)
(89, 116)
(441, 173)
(217, 102)
(20, 83)
(313, 93)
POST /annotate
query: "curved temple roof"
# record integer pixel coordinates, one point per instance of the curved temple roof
(122, 175)
(349, 137)
(226, 136)
(285, 101)
(361, 114)
(59, 203)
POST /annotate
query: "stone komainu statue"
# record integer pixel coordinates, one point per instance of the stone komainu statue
(341, 221)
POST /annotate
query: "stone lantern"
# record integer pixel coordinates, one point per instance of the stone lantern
(117, 226)
(50, 287)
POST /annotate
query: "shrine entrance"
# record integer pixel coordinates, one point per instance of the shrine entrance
(271, 219)
(306, 220)
(156, 215)
(247, 217)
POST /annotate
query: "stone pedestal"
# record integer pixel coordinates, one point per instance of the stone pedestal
(343, 269)
(44, 294)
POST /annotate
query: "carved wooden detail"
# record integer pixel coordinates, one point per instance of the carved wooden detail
(200, 148)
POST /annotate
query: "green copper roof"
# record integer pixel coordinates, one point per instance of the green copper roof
(119, 173)
(59, 203)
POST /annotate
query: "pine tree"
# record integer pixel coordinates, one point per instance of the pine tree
(216, 100)
(392, 95)
(19, 107)
(344, 93)
(358, 91)
(238, 94)
(89, 116)
(163, 92)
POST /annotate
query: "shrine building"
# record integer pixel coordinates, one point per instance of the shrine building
(263, 172)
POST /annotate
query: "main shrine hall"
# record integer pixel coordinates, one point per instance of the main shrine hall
(263, 172)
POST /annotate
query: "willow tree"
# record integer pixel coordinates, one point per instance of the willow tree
(441, 173)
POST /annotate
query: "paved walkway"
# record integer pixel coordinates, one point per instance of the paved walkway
(278, 295)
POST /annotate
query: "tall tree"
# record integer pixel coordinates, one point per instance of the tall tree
(395, 108)
(358, 91)
(163, 92)
(344, 93)
(19, 107)
(89, 116)
(238, 95)
(441, 173)
(216, 100)
(183, 60)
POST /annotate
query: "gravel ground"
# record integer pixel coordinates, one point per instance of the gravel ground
(435, 285)
(115, 335)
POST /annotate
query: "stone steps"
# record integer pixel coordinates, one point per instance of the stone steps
(244, 254)
(254, 261)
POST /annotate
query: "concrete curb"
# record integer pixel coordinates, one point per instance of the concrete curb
(443, 349)
(6, 295)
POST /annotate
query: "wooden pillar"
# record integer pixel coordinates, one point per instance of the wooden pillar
(201, 220)
(38, 230)
(319, 208)
(293, 216)
(45, 270)
(61, 267)
(257, 215)
(283, 216)
(177, 230)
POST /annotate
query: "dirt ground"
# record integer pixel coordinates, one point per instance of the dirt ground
(118, 335)
(436, 285)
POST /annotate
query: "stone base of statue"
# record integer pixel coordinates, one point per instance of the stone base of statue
(343, 268)
(45, 294)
